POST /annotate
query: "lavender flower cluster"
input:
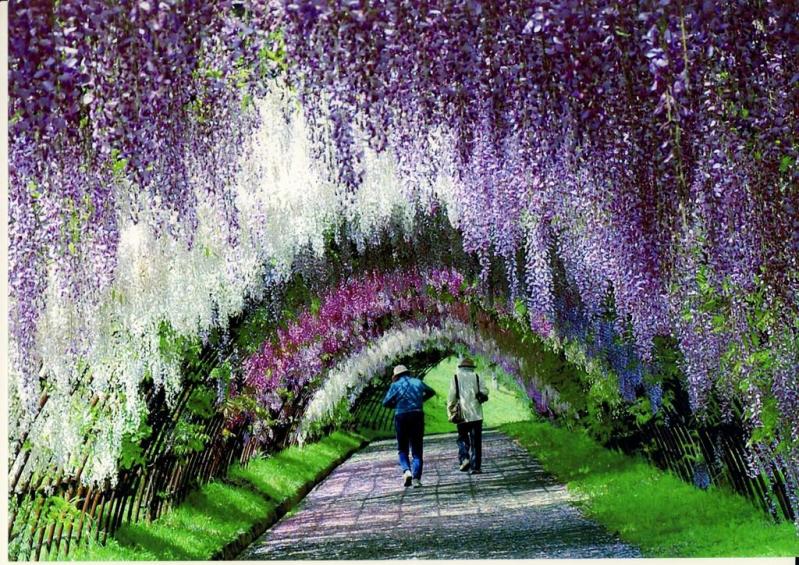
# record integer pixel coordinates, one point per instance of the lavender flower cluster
(640, 144)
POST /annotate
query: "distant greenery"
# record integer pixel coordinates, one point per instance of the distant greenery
(507, 403)
(219, 512)
(650, 508)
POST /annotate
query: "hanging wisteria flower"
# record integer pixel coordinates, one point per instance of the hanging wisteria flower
(631, 168)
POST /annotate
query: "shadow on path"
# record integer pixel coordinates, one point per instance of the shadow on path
(513, 510)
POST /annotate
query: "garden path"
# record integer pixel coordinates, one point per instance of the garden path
(513, 510)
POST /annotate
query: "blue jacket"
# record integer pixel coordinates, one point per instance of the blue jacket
(407, 395)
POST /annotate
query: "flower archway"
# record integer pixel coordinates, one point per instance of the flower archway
(631, 172)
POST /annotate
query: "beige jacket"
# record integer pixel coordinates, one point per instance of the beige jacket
(467, 382)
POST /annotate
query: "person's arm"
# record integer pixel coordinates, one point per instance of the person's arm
(390, 399)
(482, 386)
(451, 398)
(427, 392)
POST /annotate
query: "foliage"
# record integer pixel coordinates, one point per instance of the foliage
(202, 400)
(632, 167)
(346, 381)
(345, 321)
(132, 452)
(644, 151)
(188, 438)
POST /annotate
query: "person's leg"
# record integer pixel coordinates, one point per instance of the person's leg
(463, 443)
(416, 426)
(477, 445)
(472, 460)
(402, 441)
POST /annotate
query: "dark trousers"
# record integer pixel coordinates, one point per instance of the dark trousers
(470, 443)
(410, 432)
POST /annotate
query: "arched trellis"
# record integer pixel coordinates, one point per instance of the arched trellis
(164, 475)
(695, 236)
(679, 199)
(53, 514)
(40, 521)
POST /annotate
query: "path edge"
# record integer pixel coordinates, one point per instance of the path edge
(232, 549)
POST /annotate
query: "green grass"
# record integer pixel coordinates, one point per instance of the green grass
(219, 512)
(650, 508)
(505, 404)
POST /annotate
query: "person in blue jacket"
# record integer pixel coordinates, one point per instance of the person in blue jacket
(406, 396)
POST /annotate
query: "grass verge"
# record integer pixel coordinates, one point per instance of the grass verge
(650, 508)
(225, 511)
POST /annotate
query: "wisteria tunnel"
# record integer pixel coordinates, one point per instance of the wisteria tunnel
(230, 221)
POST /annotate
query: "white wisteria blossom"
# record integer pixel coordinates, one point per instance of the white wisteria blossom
(284, 202)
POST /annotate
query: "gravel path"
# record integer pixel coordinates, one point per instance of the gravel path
(513, 510)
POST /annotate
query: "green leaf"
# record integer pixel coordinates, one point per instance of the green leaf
(222, 373)
(769, 416)
(520, 308)
(201, 402)
(33, 188)
(764, 358)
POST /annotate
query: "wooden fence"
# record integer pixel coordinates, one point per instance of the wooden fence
(711, 453)
(369, 412)
(51, 514)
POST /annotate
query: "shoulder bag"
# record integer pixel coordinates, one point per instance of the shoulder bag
(455, 413)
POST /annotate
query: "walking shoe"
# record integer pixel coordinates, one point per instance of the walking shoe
(475, 472)
(407, 478)
(417, 483)
(465, 466)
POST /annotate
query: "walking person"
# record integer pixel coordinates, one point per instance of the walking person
(464, 407)
(406, 395)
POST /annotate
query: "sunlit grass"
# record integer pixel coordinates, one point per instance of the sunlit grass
(506, 403)
(219, 512)
(650, 508)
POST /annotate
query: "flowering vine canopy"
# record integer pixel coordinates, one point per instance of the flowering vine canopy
(169, 159)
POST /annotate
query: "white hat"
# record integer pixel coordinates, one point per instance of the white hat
(400, 369)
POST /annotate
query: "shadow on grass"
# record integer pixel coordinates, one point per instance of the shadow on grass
(220, 511)
(194, 530)
(278, 477)
(140, 536)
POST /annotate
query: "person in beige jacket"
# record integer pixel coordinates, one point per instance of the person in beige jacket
(467, 389)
